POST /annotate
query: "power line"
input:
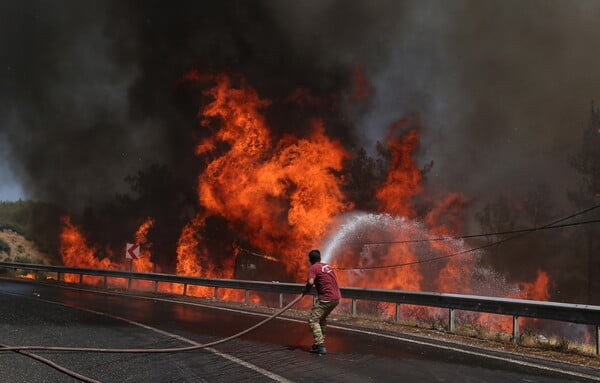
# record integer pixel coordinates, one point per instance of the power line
(519, 233)
(449, 238)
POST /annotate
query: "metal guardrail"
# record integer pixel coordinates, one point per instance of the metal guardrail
(574, 313)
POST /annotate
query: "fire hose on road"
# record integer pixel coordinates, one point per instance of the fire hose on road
(25, 349)
(154, 350)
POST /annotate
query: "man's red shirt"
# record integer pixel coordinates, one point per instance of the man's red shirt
(325, 281)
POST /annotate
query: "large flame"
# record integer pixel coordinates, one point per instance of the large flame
(403, 182)
(190, 254)
(76, 252)
(283, 195)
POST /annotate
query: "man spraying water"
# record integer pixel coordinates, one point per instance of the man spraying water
(323, 277)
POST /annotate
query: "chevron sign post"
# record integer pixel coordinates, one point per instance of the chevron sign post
(132, 251)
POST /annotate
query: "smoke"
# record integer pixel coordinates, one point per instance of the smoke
(9, 189)
(69, 134)
(503, 86)
(90, 92)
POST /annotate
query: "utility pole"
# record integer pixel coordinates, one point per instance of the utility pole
(590, 266)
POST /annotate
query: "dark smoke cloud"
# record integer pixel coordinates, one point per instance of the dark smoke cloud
(90, 91)
(504, 86)
(64, 102)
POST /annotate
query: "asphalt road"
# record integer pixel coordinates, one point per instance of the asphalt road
(39, 314)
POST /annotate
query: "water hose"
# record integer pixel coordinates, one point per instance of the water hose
(57, 367)
(154, 350)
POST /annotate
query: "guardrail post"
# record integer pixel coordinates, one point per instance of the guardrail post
(58, 276)
(353, 307)
(216, 296)
(81, 279)
(280, 300)
(247, 297)
(451, 325)
(155, 286)
(397, 313)
(515, 329)
(184, 289)
(129, 284)
(105, 281)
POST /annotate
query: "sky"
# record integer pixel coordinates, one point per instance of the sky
(89, 91)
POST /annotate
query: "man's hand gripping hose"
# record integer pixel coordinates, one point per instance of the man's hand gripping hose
(156, 350)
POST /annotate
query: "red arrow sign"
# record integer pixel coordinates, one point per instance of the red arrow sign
(132, 251)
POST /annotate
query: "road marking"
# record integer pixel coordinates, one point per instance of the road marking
(231, 358)
(515, 361)
(423, 343)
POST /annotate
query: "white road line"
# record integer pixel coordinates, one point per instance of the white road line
(231, 358)
(515, 361)
(407, 340)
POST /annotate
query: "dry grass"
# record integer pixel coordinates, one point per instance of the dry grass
(21, 249)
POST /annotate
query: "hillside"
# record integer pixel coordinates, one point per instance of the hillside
(29, 232)
(14, 247)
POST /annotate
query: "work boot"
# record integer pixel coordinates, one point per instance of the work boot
(318, 349)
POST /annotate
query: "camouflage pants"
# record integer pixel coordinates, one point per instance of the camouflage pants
(317, 320)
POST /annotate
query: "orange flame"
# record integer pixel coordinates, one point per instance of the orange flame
(189, 255)
(284, 196)
(403, 182)
(537, 290)
(76, 252)
(144, 263)
(395, 197)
